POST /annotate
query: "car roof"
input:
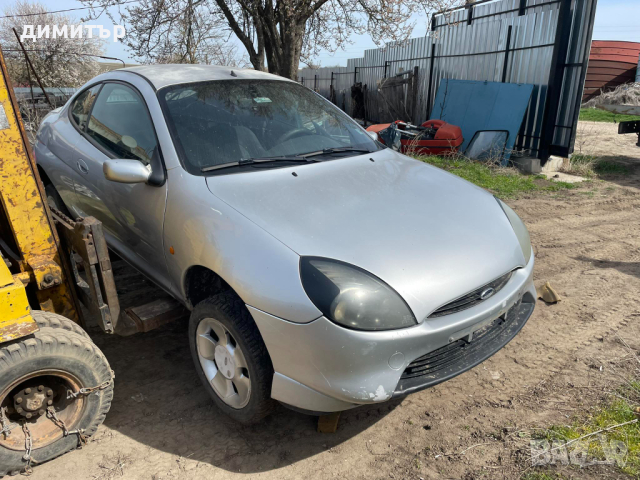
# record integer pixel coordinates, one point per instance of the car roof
(172, 74)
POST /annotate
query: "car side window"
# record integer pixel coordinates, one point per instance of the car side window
(120, 123)
(82, 106)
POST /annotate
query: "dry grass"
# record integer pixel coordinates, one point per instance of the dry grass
(620, 409)
(626, 94)
(590, 166)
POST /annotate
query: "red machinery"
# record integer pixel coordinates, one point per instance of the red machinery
(433, 137)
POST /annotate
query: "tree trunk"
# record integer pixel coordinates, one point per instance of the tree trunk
(283, 49)
(291, 49)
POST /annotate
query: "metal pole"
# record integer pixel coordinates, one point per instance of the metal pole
(34, 70)
(523, 8)
(315, 82)
(33, 100)
(554, 91)
(583, 71)
(386, 65)
(355, 75)
(414, 94)
(506, 55)
(429, 91)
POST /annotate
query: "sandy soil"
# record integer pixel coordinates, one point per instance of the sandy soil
(587, 243)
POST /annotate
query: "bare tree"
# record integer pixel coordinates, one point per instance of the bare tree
(178, 31)
(60, 62)
(276, 34)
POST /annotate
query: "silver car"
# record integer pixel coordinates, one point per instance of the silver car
(322, 270)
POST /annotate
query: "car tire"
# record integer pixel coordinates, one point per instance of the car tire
(53, 320)
(51, 351)
(236, 331)
(55, 200)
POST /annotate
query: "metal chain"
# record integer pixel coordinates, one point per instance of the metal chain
(89, 390)
(6, 426)
(28, 444)
(51, 414)
(82, 438)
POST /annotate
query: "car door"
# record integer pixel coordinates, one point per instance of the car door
(120, 127)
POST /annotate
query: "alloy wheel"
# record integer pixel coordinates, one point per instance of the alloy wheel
(223, 363)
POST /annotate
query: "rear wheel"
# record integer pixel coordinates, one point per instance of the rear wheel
(41, 417)
(55, 200)
(231, 358)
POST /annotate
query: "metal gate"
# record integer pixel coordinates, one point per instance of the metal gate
(541, 42)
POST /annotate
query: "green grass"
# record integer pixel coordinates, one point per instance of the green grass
(613, 413)
(597, 115)
(502, 182)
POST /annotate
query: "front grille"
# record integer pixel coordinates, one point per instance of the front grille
(459, 356)
(471, 299)
(439, 359)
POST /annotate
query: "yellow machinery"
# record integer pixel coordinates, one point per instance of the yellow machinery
(55, 384)
(27, 234)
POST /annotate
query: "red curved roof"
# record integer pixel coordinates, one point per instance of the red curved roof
(611, 63)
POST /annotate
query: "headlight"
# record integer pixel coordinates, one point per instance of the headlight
(520, 230)
(353, 297)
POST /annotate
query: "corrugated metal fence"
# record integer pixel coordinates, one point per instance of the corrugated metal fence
(542, 42)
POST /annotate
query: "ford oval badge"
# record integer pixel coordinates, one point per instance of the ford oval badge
(487, 293)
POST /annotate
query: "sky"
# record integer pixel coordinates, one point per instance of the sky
(615, 20)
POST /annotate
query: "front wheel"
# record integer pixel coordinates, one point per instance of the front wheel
(231, 358)
(44, 411)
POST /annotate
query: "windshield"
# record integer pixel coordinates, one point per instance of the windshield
(232, 121)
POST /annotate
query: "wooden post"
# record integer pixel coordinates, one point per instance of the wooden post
(328, 423)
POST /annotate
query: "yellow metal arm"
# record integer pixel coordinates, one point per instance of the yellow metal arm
(15, 314)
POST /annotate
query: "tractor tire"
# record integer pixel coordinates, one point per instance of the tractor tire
(53, 320)
(44, 367)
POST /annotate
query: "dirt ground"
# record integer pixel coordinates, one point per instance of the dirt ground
(587, 243)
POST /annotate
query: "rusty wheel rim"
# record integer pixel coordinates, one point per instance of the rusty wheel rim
(43, 430)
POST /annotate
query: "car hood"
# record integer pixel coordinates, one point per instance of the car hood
(429, 234)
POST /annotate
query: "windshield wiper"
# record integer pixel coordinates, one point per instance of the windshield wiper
(329, 151)
(250, 161)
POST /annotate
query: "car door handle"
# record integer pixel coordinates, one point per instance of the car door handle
(82, 167)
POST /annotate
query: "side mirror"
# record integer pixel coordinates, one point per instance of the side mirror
(373, 135)
(126, 171)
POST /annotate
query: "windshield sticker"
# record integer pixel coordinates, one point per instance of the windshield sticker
(262, 100)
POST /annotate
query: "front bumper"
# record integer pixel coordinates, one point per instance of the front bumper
(323, 367)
